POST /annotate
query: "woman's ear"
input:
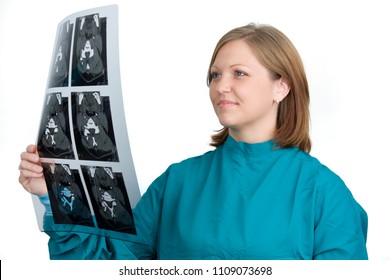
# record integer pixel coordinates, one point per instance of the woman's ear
(282, 89)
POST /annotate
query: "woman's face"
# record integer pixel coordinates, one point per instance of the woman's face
(243, 94)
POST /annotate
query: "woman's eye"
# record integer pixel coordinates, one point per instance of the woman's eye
(214, 75)
(239, 73)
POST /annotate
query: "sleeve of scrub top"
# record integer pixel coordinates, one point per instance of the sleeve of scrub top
(67, 243)
(341, 223)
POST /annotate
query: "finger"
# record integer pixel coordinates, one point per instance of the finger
(27, 156)
(31, 148)
(26, 174)
(26, 165)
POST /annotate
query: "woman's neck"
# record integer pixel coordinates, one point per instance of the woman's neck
(251, 137)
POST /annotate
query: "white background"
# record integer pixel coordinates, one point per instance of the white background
(165, 48)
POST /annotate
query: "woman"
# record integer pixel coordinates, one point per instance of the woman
(258, 195)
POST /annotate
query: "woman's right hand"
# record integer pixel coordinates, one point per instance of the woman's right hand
(31, 171)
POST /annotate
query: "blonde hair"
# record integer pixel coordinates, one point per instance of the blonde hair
(275, 52)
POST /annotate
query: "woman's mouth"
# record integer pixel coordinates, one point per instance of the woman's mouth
(226, 104)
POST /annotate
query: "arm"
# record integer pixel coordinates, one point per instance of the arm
(73, 242)
(341, 223)
(81, 242)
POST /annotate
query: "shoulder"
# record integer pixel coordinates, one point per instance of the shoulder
(332, 195)
(328, 186)
(177, 173)
(192, 163)
(317, 176)
(316, 168)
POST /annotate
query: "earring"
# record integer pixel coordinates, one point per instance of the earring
(277, 101)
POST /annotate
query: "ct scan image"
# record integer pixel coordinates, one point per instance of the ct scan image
(59, 71)
(109, 199)
(67, 198)
(54, 136)
(89, 51)
(93, 129)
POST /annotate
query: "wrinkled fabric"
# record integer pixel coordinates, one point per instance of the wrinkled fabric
(240, 201)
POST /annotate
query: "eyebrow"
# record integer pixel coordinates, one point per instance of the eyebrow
(232, 66)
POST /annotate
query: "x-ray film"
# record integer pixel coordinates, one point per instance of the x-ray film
(82, 138)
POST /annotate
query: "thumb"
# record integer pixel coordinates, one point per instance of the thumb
(32, 148)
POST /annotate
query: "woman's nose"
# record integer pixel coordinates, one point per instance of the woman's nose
(224, 85)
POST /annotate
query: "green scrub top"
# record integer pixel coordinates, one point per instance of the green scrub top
(239, 201)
